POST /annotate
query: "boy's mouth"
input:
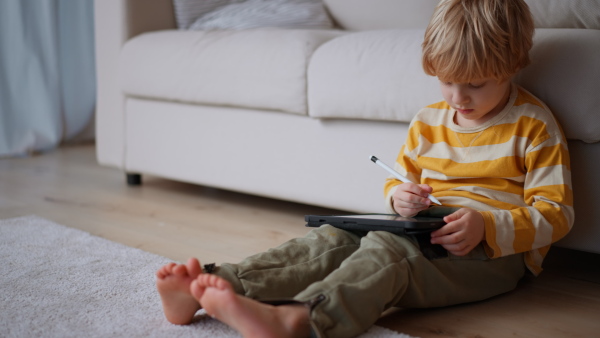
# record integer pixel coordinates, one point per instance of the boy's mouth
(464, 111)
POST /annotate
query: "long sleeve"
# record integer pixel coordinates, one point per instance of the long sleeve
(406, 166)
(548, 215)
(514, 169)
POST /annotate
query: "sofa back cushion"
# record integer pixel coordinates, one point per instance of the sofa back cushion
(387, 14)
(377, 75)
(565, 13)
(255, 68)
(373, 75)
(359, 15)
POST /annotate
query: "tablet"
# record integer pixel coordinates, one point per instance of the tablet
(378, 222)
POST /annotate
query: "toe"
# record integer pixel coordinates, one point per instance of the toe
(193, 267)
(168, 269)
(214, 281)
(222, 284)
(205, 279)
(196, 290)
(180, 270)
(164, 271)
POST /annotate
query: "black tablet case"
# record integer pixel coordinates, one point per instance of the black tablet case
(378, 222)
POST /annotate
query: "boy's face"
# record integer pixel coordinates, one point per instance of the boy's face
(476, 102)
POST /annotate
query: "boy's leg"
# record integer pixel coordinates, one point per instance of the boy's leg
(390, 270)
(282, 272)
(455, 280)
(251, 318)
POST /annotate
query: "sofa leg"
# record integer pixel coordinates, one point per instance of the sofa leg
(134, 179)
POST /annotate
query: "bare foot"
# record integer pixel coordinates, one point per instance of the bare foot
(249, 317)
(173, 284)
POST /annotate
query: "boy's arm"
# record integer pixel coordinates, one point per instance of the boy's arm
(547, 192)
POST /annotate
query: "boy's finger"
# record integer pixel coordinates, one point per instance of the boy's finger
(454, 216)
(414, 200)
(414, 188)
(449, 239)
(408, 212)
(408, 201)
(445, 230)
(426, 188)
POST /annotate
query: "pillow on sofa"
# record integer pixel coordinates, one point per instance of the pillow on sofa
(245, 14)
(187, 11)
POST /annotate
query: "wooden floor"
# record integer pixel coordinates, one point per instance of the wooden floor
(179, 220)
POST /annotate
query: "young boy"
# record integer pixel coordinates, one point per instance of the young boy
(491, 151)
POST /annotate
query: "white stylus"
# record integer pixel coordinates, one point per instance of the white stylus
(400, 177)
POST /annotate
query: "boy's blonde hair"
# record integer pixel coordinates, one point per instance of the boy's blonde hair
(474, 39)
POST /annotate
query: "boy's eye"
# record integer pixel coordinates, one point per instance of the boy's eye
(476, 85)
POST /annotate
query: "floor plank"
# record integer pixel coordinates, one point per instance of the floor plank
(179, 220)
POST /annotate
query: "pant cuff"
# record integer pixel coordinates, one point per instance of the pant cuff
(229, 273)
(310, 304)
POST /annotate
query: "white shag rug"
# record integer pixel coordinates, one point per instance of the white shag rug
(62, 282)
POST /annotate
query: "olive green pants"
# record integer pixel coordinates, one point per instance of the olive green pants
(349, 279)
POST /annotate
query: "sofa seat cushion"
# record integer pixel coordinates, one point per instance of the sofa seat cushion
(262, 68)
(375, 75)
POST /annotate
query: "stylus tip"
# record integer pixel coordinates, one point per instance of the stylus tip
(374, 159)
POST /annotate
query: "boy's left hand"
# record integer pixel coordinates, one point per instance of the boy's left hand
(464, 230)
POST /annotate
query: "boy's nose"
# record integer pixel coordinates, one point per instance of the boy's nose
(460, 97)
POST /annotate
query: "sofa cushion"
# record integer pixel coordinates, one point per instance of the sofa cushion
(263, 69)
(565, 74)
(373, 75)
(361, 15)
(389, 14)
(565, 13)
(377, 75)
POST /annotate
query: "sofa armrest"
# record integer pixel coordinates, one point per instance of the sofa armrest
(117, 21)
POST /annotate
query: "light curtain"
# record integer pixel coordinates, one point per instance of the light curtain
(47, 74)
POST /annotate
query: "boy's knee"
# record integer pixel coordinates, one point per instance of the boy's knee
(333, 234)
(400, 245)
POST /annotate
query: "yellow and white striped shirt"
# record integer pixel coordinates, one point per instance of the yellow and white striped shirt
(514, 169)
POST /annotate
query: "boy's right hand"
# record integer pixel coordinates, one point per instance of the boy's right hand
(410, 198)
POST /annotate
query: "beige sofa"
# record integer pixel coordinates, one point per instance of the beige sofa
(295, 114)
